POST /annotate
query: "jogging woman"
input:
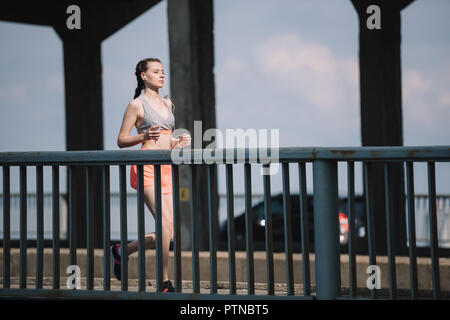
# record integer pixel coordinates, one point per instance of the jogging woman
(154, 120)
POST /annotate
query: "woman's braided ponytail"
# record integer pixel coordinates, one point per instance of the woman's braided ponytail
(142, 67)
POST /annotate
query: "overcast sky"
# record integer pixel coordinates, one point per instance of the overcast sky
(289, 65)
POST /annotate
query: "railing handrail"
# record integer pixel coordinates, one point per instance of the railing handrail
(239, 155)
(223, 195)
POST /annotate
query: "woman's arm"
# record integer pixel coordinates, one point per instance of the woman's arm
(129, 119)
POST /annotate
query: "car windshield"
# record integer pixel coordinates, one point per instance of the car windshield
(277, 209)
(277, 206)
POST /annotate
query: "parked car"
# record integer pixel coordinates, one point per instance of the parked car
(259, 223)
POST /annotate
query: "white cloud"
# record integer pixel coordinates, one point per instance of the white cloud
(325, 85)
(11, 92)
(413, 83)
(233, 73)
(426, 98)
(300, 87)
(445, 99)
(54, 82)
(234, 64)
(310, 70)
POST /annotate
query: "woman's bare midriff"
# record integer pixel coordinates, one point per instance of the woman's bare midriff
(163, 142)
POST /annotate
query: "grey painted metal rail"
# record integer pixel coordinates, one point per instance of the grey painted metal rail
(326, 224)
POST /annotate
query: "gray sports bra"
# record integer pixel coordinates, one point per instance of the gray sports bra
(150, 115)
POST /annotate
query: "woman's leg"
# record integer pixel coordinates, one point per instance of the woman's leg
(149, 243)
(167, 234)
(149, 199)
(167, 228)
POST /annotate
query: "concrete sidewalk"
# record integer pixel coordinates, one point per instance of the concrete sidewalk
(403, 282)
(223, 288)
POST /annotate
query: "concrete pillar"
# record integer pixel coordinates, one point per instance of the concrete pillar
(191, 45)
(381, 108)
(84, 124)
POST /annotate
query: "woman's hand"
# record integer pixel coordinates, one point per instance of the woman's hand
(183, 141)
(152, 133)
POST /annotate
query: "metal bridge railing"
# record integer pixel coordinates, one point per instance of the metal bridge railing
(326, 225)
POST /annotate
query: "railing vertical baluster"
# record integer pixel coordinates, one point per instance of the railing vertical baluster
(287, 215)
(72, 221)
(411, 229)
(106, 228)
(268, 231)
(433, 230)
(176, 221)
(194, 229)
(39, 226)
(212, 232)
(230, 229)
(351, 227)
(326, 229)
(6, 228)
(370, 220)
(389, 231)
(249, 229)
(123, 228)
(158, 228)
(304, 220)
(23, 228)
(55, 227)
(141, 228)
(89, 228)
